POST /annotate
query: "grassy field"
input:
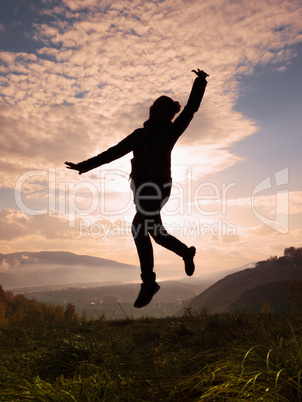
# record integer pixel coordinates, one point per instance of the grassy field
(230, 357)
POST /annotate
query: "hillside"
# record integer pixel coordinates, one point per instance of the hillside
(276, 293)
(248, 289)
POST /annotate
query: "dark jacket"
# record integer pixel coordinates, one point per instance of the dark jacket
(152, 144)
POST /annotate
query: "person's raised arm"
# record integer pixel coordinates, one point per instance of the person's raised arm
(195, 98)
(115, 152)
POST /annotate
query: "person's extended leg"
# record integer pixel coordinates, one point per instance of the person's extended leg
(145, 253)
(143, 246)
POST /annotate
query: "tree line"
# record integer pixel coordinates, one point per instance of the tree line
(292, 257)
(18, 310)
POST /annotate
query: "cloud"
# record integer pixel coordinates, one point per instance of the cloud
(16, 224)
(262, 230)
(13, 224)
(75, 93)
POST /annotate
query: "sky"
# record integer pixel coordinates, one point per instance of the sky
(77, 76)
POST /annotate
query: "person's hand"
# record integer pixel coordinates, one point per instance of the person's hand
(200, 73)
(73, 166)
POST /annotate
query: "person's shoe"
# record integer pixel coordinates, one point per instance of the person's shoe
(146, 294)
(189, 261)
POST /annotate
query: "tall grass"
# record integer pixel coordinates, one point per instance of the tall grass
(258, 374)
(91, 388)
(223, 357)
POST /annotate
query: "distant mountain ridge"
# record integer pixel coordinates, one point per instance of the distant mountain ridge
(248, 289)
(53, 257)
(23, 269)
(61, 268)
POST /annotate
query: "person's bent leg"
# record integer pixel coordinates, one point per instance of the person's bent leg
(162, 237)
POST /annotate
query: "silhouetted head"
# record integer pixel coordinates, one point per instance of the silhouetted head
(164, 109)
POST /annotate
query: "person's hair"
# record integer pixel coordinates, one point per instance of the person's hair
(173, 107)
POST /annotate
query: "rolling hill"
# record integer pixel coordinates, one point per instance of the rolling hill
(248, 289)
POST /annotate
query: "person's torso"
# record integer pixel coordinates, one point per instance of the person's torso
(152, 147)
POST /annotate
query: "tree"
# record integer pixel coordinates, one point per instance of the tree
(70, 314)
(2, 310)
(289, 253)
(2, 305)
(16, 310)
(294, 255)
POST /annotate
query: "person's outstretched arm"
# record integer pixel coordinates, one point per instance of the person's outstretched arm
(115, 152)
(195, 98)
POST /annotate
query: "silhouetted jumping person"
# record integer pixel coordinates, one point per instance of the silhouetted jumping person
(151, 180)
